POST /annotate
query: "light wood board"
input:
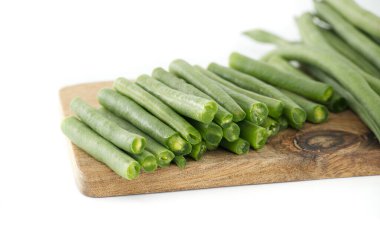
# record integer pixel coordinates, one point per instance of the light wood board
(342, 147)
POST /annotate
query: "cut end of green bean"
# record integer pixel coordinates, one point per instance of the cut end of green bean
(209, 112)
(273, 130)
(320, 114)
(259, 113)
(238, 116)
(138, 145)
(231, 132)
(227, 119)
(240, 146)
(337, 105)
(149, 164)
(260, 138)
(164, 158)
(198, 151)
(272, 127)
(178, 145)
(214, 138)
(283, 122)
(211, 146)
(194, 138)
(328, 94)
(133, 171)
(213, 134)
(180, 161)
(298, 115)
(256, 135)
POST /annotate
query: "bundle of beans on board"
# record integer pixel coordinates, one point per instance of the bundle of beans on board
(184, 111)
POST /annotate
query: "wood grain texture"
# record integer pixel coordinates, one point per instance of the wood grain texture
(342, 147)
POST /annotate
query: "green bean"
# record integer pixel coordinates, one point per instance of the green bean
(349, 33)
(292, 111)
(180, 161)
(231, 132)
(158, 108)
(211, 133)
(194, 107)
(336, 104)
(340, 70)
(316, 113)
(316, 36)
(282, 122)
(272, 126)
(100, 149)
(239, 146)
(350, 53)
(127, 109)
(310, 89)
(255, 110)
(354, 104)
(257, 136)
(286, 66)
(275, 107)
(320, 43)
(361, 18)
(198, 151)
(222, 116)
(211, 146)
(265, 37)
(162, 154)
(129, 142)
(184, 70)
(147, 160)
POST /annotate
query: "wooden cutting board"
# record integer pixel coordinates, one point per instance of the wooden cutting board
(342, 147)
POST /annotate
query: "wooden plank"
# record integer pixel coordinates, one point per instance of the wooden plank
(342, 147)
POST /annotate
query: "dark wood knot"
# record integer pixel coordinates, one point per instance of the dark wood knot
(325, 141)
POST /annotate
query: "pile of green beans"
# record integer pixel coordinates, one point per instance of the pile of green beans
(187, 110)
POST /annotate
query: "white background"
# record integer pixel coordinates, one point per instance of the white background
(48, 44)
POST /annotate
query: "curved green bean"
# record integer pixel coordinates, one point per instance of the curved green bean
(340, 70)
(317, 91)
(373, 81)
(350, 53)
(349, 33)
(361, 18)
(354, 104)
